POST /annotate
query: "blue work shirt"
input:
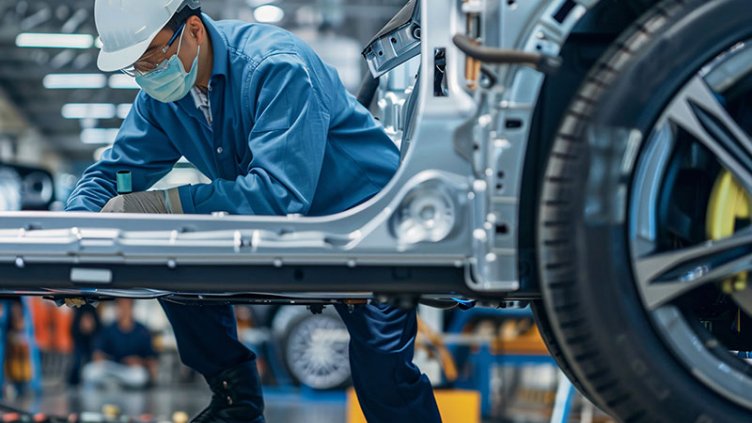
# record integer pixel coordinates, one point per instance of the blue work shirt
(286, 137)
(118, 345)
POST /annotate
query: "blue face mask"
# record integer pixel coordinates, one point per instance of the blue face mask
(170, 82)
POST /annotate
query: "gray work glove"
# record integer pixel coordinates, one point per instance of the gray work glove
(155, 202)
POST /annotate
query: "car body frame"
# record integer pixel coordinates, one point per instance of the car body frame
(447, 226)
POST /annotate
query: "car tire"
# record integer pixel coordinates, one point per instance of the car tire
(547, 334)
(315, 362)
(606, 337)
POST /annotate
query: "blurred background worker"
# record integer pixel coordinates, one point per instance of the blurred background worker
(84, 329)
(18, 365)
(273, 127)
(123, 353)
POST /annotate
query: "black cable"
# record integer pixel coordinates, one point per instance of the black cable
(541, 62)
(367, 90)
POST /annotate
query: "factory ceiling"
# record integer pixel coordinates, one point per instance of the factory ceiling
(23, 70)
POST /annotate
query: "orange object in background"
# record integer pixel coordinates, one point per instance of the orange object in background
(52, 326)
(455, 406)
(448, 366)
(519, 337)
(17, 363)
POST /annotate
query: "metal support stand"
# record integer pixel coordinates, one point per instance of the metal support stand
(563, 403)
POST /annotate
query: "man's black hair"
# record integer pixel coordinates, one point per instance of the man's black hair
(180, 17)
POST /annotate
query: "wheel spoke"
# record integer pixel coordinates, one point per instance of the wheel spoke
(698, 110)
(664, 277)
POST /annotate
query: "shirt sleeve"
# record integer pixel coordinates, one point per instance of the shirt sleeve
(140, 147)
(288, 140)
(102, 342)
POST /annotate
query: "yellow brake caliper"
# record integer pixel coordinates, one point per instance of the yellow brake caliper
(729, 203)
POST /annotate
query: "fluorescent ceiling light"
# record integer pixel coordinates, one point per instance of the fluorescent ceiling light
(123, 82)
(88, 111)
(80, 41)
(99, 135)
(123, 110)
(268, 13)
(63, 81)
(256, 3)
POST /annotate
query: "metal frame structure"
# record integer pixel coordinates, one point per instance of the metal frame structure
(446, 225)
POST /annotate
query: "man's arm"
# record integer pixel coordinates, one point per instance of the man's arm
(101, 346)
(288, 140)
(147, 355)
(141, 147)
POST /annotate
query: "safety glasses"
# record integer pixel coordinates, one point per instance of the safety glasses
(145, 66)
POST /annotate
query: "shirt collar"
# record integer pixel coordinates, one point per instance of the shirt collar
(199, 99)
(219, 47)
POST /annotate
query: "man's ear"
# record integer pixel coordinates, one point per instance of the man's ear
(196, 28)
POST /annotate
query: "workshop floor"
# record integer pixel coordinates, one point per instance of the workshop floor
(282, 405)
(290, 406)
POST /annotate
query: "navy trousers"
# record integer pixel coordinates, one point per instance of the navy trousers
(390, 387)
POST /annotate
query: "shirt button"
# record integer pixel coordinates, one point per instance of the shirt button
(220, 150)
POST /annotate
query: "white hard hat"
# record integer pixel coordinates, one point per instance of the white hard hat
(127, 27)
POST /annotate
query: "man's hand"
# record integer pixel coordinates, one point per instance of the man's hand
(156, 202)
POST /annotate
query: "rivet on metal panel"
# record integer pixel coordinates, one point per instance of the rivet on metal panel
(502, 143)
(255, 240)
(238, 241)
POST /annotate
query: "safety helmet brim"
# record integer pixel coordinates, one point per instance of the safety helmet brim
(111, 61)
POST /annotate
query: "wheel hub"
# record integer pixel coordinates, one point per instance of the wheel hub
(729, 205)
(693, 282)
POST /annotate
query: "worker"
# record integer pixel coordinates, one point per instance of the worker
(260, 114)
(123, 353)
(84, 331)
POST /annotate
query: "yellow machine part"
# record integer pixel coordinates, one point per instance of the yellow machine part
(728, 204)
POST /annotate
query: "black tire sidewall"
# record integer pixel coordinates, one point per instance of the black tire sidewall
(628, 350)
(670, 59)
(554, 350)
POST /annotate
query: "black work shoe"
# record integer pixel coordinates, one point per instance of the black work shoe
(236, 398)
